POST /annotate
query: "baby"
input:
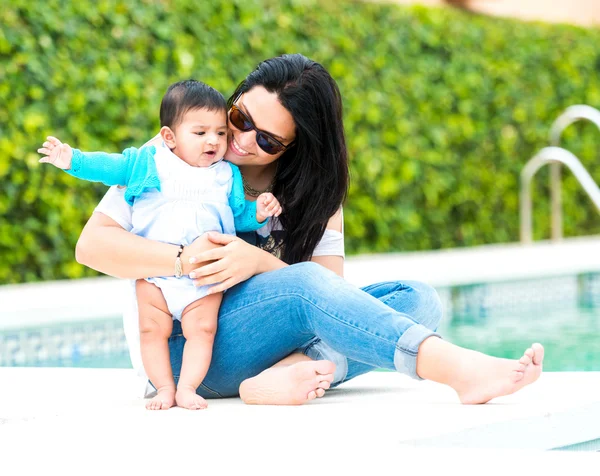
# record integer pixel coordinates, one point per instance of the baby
(178, 191)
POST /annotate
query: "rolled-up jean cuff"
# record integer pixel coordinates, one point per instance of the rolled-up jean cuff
(407, 347)
(321, 351)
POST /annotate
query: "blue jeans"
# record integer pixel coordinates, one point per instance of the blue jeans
(307, 308)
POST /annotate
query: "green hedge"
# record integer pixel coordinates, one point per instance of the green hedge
(442, 110)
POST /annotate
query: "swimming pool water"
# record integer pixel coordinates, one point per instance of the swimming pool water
(570, 334)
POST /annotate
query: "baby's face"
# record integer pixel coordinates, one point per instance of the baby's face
(201, 137)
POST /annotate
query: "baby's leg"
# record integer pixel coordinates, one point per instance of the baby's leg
(199, 325)
(156, 325)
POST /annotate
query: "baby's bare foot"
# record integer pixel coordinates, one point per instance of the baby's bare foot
(164, 399)
(288, 385)
(489, 377)
(186, 397)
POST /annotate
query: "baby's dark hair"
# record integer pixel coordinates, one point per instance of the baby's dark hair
(184, 96)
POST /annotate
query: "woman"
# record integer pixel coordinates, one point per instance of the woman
(289, 325)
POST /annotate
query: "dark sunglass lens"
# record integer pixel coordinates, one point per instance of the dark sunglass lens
(238, 120)
(267, 144)
(264, 141)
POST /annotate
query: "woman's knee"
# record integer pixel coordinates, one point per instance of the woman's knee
(300, 286)
(418, 300)
(428, 306)
(309, 276)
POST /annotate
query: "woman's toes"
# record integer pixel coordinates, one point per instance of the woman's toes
(324, 384)
(311, 395)
(538, 353)
(529, 352)
(323, 378)
(320, 392)
(517, 376)
(325, 368)
(525, 360)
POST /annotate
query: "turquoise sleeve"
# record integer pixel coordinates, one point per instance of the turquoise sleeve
(134, 168)
(244, 211)
(110, 169)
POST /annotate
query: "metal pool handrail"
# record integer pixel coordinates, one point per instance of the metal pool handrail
(551, 155)
(572, 114)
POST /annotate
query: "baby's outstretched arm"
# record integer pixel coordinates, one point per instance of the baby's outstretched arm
(267, 206)
(56, 153)
(110, 169)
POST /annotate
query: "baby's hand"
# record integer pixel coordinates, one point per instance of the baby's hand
(267, 206)
(56, 153)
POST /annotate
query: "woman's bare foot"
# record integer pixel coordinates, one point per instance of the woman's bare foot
(164, 399)
(186, 397)
(288, 385)
(486, 377)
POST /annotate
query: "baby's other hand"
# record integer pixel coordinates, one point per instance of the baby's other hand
(56, 153)
(267, 206)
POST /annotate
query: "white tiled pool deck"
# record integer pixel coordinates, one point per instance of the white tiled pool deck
(71, 419)
(93, 421)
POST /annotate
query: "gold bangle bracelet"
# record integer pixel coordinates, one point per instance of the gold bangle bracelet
(178, 264)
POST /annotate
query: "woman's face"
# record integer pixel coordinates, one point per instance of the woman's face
(268, 115)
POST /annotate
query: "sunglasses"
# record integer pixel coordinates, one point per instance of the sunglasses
(264, 140)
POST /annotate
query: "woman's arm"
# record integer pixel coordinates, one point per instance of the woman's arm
(333, 263)
(106, 247)
(235, 261)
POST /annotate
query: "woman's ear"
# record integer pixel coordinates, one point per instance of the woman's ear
(168, 136)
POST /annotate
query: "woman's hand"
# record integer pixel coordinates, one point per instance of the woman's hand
(231, 263)
(195, 249)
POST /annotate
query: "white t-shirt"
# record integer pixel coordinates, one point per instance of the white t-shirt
(114, 206)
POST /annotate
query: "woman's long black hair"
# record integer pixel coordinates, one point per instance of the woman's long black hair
(312, 177)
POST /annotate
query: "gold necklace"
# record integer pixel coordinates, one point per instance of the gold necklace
(252, 192)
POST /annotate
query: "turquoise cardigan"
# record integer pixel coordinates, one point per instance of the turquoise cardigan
(136, 170)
